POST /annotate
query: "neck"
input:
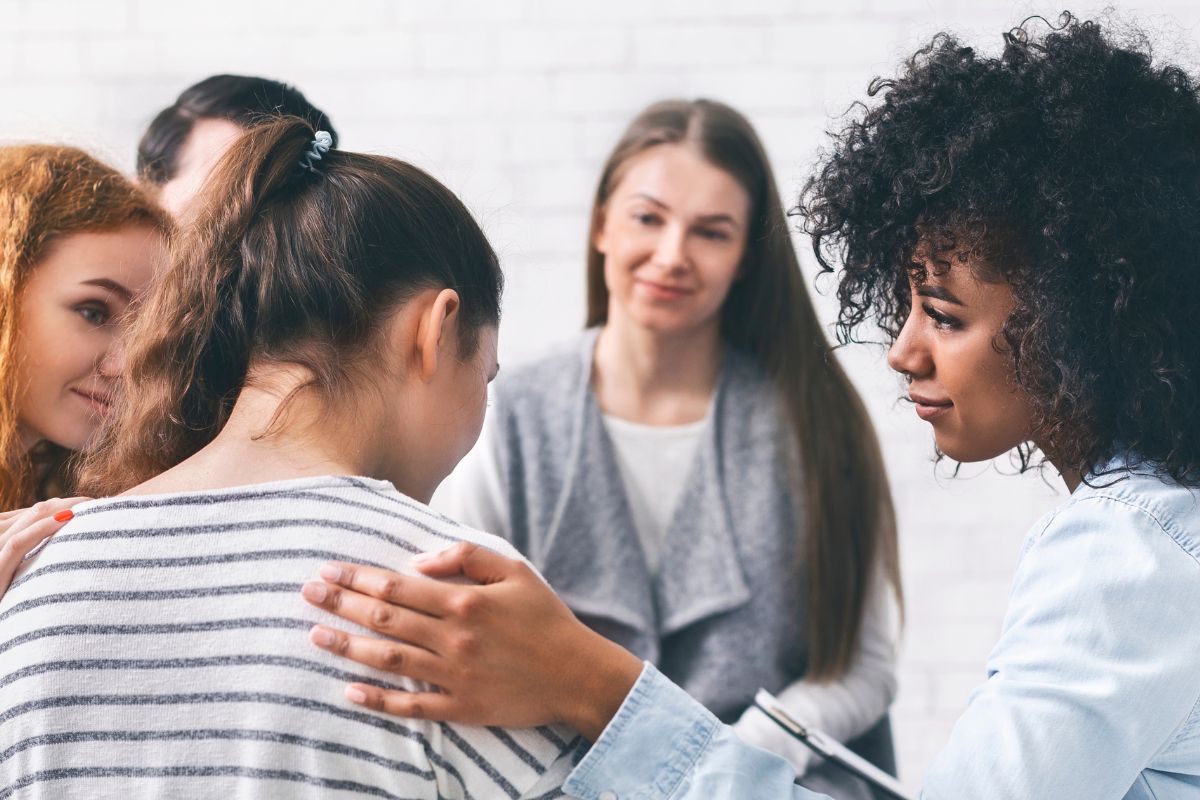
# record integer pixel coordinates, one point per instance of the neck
(1070, 477)
(266, 439)
(27, 438)
(656, 378)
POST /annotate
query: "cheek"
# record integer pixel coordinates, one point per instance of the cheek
(57, 352)
(77, 352)
(48, 407)
(619, 262)
(53, 349)
(718, 272)
(993, 417)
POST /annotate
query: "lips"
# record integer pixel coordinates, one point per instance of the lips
(100, 402)
(929, 408)
(663, 291)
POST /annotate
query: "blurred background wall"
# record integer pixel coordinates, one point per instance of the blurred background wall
(514, 104)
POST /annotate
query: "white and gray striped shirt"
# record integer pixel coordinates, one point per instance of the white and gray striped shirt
(157, 647)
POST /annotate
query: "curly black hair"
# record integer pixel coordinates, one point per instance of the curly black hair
(1068, 167)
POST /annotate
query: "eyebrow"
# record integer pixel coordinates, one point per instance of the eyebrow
(112, 286)
(938, 293)
(722, 217)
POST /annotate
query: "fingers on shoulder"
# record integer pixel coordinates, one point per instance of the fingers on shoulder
(410, 705)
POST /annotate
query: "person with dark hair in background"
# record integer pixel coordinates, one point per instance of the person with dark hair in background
(311, 364)
(1025, 230)
(187, 138)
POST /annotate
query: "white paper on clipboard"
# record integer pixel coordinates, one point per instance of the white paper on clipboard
(830, 749)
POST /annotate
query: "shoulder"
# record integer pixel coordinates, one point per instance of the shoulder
(750, 411)
(428, 529)
(745, 372)
(1126, 545)
(748, 392)
(1148, 509)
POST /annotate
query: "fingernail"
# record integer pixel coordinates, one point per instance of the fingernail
(356, 695)
(424, 558)
(66, 515)
(314, 592)
(330, 573)
(321, 637)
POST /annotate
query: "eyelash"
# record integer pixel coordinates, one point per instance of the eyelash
(940, 320)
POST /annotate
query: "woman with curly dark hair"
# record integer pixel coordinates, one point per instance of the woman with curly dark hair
(1025, 229)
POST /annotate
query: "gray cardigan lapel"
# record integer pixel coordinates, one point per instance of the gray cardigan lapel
(701, 574)
(592, 555)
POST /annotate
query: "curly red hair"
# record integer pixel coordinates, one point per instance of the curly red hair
(47, 191)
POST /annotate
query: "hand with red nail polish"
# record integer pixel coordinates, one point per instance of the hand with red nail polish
(24, 529)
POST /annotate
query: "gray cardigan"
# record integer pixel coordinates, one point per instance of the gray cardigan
(725, 615)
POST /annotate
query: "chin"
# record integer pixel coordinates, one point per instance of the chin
(665, 322)
(968, 452)
(73, 437)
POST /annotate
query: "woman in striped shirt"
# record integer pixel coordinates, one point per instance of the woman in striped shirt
(311, 364)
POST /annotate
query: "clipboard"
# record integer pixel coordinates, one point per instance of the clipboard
(830, 749)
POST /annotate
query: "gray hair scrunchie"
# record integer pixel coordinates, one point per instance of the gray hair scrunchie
(321, 144)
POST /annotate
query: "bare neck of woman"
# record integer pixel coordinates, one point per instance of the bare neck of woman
(656, 378)
(279, 430)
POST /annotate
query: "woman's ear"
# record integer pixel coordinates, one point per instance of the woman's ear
(599, 239)
(437, 332)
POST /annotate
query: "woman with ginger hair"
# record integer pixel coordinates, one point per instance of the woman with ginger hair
(78, 243)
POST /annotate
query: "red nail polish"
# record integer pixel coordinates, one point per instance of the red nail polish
(66, 515)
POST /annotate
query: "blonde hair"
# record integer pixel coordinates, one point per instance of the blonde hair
(46, 192)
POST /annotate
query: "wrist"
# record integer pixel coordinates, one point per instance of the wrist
(605, 673)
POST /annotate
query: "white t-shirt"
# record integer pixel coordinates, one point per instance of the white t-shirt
(654, 461)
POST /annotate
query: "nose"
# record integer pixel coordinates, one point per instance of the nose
(909, 354)
(671, 250)
(112, 363)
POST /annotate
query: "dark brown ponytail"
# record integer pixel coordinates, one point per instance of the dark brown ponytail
(287, 265)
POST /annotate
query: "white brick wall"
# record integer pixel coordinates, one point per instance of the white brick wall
(515, 103)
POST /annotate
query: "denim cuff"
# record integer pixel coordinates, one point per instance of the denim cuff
(649, 748)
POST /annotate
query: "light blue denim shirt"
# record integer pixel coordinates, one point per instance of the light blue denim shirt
(1092, 692)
